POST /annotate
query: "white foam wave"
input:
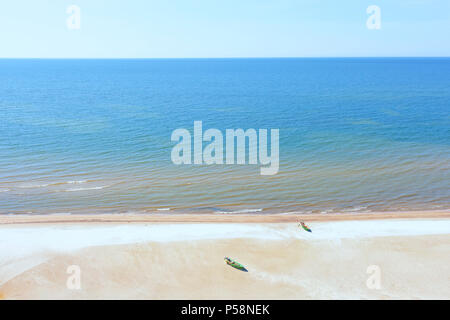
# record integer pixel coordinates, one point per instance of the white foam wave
(47, 184)
(32, 186)
(60, 214)
(242, 211)
(86, 189)
(356, 209)
(77, 181)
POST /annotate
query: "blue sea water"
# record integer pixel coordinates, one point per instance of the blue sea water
(93, 136)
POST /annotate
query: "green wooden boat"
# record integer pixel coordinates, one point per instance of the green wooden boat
(305, 227)
(235, 264)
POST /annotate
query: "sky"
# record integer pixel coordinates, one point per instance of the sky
(232, 28)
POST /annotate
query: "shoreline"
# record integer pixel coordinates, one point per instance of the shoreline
(217, 218)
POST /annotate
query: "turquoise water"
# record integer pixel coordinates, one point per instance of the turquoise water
(90, 136)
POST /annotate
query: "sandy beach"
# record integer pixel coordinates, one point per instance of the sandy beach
(157, 257)
(215, 218)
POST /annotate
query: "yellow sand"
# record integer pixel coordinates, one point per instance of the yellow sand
(216, 218)
(412, 267)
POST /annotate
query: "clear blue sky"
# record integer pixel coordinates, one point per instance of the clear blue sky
(231, 28)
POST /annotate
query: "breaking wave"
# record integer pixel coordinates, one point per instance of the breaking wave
(86, 189)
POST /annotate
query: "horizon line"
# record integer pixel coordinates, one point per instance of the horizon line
(249, 57)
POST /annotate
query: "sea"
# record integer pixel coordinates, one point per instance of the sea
(90, 136)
